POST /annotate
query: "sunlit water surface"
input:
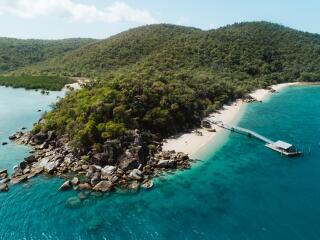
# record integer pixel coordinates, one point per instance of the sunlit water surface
(240, 191)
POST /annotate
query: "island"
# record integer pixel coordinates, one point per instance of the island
(146, 85)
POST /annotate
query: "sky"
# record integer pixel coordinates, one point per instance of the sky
(57, 19)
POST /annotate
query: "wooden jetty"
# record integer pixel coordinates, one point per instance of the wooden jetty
(278, 146)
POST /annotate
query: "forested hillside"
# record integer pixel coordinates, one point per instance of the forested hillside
(258, 49)
(122, 50)
(163, 79)
(16, 53)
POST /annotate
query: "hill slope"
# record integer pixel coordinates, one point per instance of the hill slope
(163, 79)
(121, 50)
(16, 53)
(259, 49)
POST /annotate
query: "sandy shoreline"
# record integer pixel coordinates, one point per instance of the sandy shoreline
(192, 142)
(262, 94)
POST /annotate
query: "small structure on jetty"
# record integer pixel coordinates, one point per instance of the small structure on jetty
(284, 148)
(278, 146)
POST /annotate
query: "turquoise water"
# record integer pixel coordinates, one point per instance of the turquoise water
(242, 191)
(18, 109)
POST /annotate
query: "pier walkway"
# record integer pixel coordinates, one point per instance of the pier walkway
(279, 146)
(245, 131)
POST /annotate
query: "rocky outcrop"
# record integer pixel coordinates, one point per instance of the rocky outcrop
(3, 174)
(95, 178)
(31, 159)
(84, 186)
(23, 165)
(134, 186)
(50, 162)
(136, 174)
(100, 158)
(147, 184)
(135, 155)
(17, 171)
(65, 186)
(94, 174)
(4, 187)
(108, 172)
(19, 179)
(5, 180)
(103, 186)
(22, 138)
(34, 172)
(127, 164)
(13, 137)
(39, 138)
(249, 99)
(75, 181)
(206, 124)
(167, 163)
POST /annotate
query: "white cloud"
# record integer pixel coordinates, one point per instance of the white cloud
(116, 12)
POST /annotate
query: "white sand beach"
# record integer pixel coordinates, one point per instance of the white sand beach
(192, 142)
(261, 94)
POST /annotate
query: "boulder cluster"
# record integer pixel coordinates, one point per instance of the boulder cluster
(4, 180)
(249, 99)
(101, 170)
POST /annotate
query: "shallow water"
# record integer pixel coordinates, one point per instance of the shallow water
(242, 191)
(18, 109)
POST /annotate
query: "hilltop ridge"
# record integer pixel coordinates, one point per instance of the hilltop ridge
(258, 49)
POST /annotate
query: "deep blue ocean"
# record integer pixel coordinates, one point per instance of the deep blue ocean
(241, 190)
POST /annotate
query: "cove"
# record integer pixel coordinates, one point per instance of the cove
(240, 190)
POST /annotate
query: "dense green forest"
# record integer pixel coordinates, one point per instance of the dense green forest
(53, 83)
(259, 50)
(16, 53)
(163, 79)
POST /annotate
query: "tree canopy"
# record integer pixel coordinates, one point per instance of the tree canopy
(163, 79)
(17, 53)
